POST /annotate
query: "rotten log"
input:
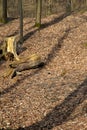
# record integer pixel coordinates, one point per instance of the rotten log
(32, 62)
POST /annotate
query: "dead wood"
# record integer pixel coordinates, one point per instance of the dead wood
(8, 48)
(31, 62)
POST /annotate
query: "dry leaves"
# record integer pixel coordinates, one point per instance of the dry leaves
(52, 97)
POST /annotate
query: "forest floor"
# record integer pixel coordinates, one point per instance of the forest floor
(53, 97)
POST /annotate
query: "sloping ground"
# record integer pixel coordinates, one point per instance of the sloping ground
(53, 97)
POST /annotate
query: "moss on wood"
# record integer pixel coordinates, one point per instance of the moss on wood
(37, 25)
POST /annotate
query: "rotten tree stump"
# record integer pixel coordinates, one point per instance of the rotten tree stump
(9, 46)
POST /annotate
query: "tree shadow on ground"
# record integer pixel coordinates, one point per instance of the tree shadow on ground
(45, 25)
(51, 55)
(55, 20)
(28, 35)
(18, 82)
(61, 113)
(57, 47)
(9, 19)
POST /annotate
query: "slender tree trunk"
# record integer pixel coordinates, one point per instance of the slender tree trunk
(73, 4)
(38, 12)
(49, 7)
(3, 11)
(68, 6)
(21, 20)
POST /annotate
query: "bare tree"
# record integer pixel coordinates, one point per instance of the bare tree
(49, 7)
(3, 11)
(38, 13)
(73, 5)
(21, 20)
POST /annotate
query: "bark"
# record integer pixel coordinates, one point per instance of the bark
(38, 13)
(26, 66)
(9, 45)
(32, 62)
(68, 6)
(3, 11)
(21, 20)
(49, 7)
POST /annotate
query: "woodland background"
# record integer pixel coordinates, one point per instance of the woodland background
(56, 7)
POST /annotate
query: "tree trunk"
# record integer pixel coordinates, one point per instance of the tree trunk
(74, 4)
(38, 13)
(9, 45)
(21, 20)
(68, 6)
(3, 11)
(49, 7)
